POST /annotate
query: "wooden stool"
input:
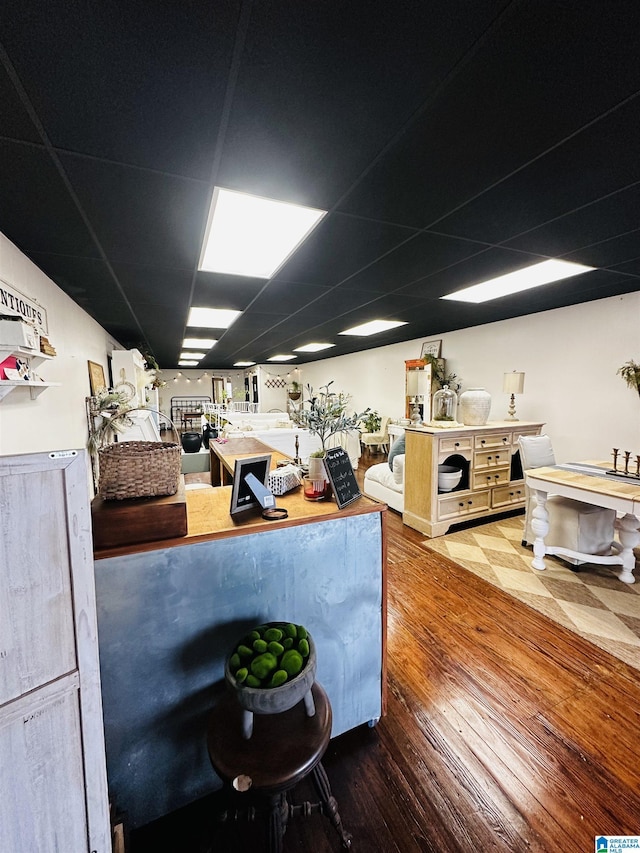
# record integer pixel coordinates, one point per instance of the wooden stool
(283, 749)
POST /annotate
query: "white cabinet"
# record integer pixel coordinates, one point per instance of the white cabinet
(34, 357)
(128, 366)
(492, 479)
(52, 758)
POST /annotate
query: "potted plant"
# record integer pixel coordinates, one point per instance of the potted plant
(294, 391)
(326, 416)
(372, 422)
(630, 372)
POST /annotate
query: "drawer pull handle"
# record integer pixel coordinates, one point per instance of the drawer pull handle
(489, 458)
(510, 494)
(457, 444)
(461, 504)
(470, 503)
(482, 441)
(497, 456)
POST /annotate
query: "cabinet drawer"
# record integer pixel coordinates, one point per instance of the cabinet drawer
(489, 459)
(487, 478)
(454, 444)
(508, 495)
(463, 505)
(492, 439)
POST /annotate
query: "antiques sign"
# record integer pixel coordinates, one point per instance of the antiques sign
(14, 302)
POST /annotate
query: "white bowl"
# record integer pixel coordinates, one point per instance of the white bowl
(448, 477)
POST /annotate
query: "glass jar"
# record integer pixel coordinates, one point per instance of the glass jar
(445, 404)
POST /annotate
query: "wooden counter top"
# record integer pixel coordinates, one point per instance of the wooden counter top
(208, 518)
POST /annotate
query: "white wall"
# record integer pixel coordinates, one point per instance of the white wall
(570, 357)
(56, 419)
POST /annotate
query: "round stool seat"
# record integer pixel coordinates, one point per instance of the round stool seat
(283, 749)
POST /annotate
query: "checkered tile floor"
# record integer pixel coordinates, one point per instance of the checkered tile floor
(591, 601)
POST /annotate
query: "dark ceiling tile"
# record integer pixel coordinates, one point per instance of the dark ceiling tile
(571, 175)
(598, 221)
(543, 72)
(16, 122)
(285, 298)
(141, 217)
(340, 246)
(145, 88)
(415, 260)
(37, 213)
(323, 88)
(151, 286)
(611, 254)
(218, 290)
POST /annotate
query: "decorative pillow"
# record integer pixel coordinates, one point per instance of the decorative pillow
(397, 448)
(398, 469)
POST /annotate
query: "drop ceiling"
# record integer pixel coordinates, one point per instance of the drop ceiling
(450, 141)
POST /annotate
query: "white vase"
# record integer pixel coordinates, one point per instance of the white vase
(475, 405)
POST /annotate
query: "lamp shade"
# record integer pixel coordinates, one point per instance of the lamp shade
(417, 385)
(412, 383)
(513, 382)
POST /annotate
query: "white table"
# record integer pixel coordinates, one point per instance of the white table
(582, 481)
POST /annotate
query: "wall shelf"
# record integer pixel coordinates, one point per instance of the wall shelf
(35, 358)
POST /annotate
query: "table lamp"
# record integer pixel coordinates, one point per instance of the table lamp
(513, 384)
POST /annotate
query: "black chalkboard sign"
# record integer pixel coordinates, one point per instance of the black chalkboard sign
(341, 476)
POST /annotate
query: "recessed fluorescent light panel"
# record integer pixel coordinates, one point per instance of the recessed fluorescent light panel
(198, 343)
(249, 235)
(197, 355)
(519, 280)
(211, 318)
(188, 363)
(313, 347)
(244, 363)
(281, 358)
(373, 327)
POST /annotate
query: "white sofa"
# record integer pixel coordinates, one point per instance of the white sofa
(383, 484)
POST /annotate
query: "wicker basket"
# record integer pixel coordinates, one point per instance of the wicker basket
(139, 469)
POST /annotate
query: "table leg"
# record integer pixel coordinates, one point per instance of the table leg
(540, 526)
(629, 535)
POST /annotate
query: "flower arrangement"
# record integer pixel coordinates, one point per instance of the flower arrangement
(109, 414)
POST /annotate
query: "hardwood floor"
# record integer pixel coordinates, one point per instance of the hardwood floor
(504, 732)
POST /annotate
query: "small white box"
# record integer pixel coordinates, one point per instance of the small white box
(284, 479)
(17, 333)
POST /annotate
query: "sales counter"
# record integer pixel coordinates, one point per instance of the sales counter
(170, 611)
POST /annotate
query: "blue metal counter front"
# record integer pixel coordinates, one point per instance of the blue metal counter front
(167, 619)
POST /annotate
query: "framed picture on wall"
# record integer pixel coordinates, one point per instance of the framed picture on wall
(433, 348)
(96, 378)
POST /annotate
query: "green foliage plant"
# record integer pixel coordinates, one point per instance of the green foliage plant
(440, 375)
(630, 372)
(372, 422)
(270, 655)
(326, 414)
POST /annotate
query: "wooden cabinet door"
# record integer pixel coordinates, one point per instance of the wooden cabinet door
(52, 761)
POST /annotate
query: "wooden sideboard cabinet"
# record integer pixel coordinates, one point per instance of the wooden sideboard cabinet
(492, 479)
